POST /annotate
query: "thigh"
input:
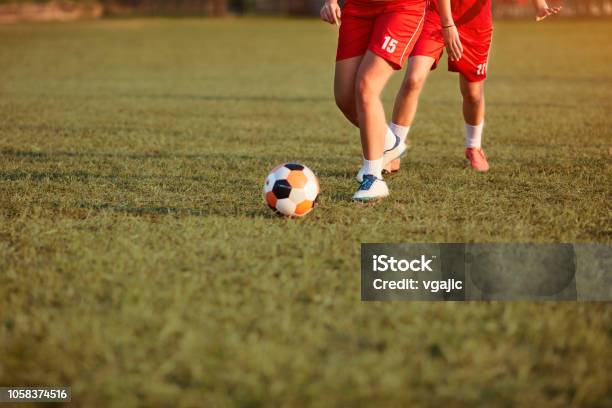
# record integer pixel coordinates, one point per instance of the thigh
(418, 68)
(344, 78)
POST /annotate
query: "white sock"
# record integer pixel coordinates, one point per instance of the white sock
(400, 131)
(373, 167)
(473, 135)
(389, 139)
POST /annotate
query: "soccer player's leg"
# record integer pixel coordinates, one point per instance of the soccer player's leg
(424, 58)
(374, 72)
(353, 40)
(407, 99)
(344, 87)
(393, 39)
(472, 68)
(473, 114)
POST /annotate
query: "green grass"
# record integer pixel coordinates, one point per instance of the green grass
(139, 264)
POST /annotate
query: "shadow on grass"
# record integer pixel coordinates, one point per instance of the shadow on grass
(85, 176)
(231, 98)
(84, 210)
(265, 159)
(233, 184)
(177, 211)
(136, 156)
(249, 203)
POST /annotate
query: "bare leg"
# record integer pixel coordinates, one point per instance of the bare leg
(407, 99)
(473, 101)
(473, 113)
(374, 72)
(344, 87)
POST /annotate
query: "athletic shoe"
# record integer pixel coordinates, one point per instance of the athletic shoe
(477, 159)
(371, 188)
(397, 151)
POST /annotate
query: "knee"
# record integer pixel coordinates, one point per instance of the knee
(472, 95)
(365, 91)
(413, 83)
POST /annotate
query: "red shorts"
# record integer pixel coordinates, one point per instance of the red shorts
(387, 28)
(476, 45)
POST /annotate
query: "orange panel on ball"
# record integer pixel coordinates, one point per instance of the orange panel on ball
(271, 199)
(303, 207)
(297, 179)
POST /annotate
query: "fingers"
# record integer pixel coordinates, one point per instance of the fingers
(338, 15)
(458, 48)
(455, 49)
(330, 14)
(326, 14)
(542, 16)
(451, 52)
(334, 16)
(549, 11)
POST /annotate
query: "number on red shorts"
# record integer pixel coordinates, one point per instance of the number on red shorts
(389, 44)
(481, 69)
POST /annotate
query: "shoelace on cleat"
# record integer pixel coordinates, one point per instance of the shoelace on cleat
(367, 182)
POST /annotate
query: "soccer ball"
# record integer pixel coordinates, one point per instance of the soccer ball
(291, 189)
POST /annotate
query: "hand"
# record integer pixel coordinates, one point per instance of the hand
(543, 11)
(330, 12)
(452, 42)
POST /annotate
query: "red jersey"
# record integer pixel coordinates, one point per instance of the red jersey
(466, 13)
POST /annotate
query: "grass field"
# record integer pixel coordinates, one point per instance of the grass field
(139, 265)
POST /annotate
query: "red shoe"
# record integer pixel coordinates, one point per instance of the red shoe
(392, 167)
(477, 159)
